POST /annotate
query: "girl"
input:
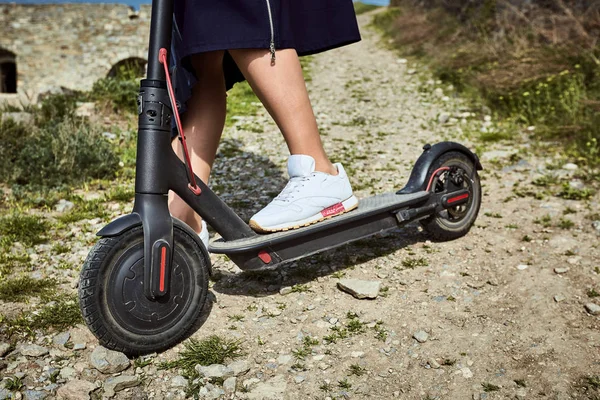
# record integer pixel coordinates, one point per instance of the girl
(219, 43)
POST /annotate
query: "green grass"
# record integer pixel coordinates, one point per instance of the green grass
(18, 289)
(356, 369)
(64, 313)
(26, 229)
(84, 210)
(211, 350)
(361, 8)
(13, 384)
(488, 387)
(412, 263)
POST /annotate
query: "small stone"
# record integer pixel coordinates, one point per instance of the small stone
(570, 167)
(559, 297)
(357, 354)
(402, 61)
(239, 367)
(596, 226)
(248, 383)
(32, 350)
(284, 359)
(475, 285)
(285, 290)
(4, 347)
(76, 390)
(443, 118)
(64, 206)
(117, 383)
(359, 288)
(179, 381)
(561, 270)
(79, 346)
(34, 395)
(299, 379)
(215, 371)
(522, 267)
(421, 336)
(466, 373)
(433, 364)
(61, 339)
(229, 385)
(85, 109)
(592, 308)
(411, 71)
(67, 372)
(108, 361)
(574, 260)
(5, 394)
(274, 388)
(109, 135)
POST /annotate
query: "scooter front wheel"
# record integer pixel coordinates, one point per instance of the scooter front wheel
(454, 171)
(112, 300)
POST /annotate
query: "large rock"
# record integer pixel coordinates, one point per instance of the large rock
(359, 288)
(273, 389)
(108, 361)
(75, 390)
(215, 371)
(117, 383)
(32, 350)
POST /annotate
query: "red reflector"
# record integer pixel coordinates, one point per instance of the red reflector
(265, 257)
(458, 198)
(163, 262)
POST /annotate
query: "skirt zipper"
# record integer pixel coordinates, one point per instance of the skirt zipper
(272, 45)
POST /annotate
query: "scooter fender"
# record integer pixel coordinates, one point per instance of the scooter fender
(133, 220)
(418, 177)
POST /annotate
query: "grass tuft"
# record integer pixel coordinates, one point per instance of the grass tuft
(62, 314)
(26, 229)
(18, 289)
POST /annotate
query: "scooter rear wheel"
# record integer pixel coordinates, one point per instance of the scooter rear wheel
(112, 300)
(454, 222)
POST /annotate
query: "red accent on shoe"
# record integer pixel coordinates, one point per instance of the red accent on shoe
(163, 262)
(332, 210)
(265, 257)
(458, 198)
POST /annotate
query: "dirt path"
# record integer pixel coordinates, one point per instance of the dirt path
(498, 314)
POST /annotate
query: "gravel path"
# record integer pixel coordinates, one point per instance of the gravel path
(498, 314)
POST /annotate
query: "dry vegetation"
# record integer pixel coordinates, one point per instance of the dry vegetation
(537, 62)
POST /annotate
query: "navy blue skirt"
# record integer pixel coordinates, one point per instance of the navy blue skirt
(308, 26)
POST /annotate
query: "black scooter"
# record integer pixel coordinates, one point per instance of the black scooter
(144, 285)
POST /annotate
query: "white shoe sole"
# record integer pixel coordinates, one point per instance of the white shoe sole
(337, 209)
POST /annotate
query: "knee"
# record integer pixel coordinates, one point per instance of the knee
(208, 66)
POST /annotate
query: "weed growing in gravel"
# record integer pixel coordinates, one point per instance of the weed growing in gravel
(10, 262)
(211, 350)
(60, 248)
(568, 211)
(526, 238)
(120, 193)
(545, 221)
(26, 229)
(141, 362)
(448, 362)
(415, 262)
(300, 288)
(493, 215)
(570, 193)
(62, 314)
(566, 223)
(357, 370)
(18, 289)
(380, 332)
(84, 210)
(488, 387)
(344, 384)
(593, 293)
(326, 387)
(13, 384)
(236, 317)
(521, 382)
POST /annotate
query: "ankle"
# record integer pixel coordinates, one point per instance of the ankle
(326, 167)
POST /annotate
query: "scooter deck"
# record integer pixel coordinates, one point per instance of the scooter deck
(368, 211)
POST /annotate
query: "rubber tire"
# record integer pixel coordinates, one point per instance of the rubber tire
(439, 228)
(103, 261)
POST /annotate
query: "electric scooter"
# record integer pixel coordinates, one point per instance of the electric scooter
(143, 287)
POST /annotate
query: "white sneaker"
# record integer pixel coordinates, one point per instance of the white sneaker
(204, 234)
(308, 197)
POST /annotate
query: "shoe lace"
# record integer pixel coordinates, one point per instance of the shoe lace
(292, 187)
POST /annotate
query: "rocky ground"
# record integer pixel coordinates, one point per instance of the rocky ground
(509, 311)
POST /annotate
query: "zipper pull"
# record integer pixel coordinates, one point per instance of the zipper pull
(272, 49)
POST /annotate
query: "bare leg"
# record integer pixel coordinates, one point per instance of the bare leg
(281, 88)
(203, 124)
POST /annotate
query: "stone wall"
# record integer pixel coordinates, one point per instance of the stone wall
(68, 45)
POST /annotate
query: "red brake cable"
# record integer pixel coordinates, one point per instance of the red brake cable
(192, 185)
